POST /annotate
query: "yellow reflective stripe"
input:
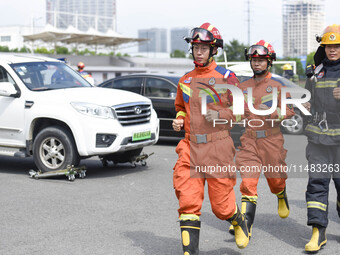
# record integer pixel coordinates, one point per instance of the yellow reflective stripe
(321, 86)
(266, 100)
(250, 198)
(317, 130)
(317, 205)
(268, 97)
(327, 84)
(281, 117)
(181, 113)
(190, 227)
(210, 28)
(192, 217)
(185, 89)
(266, 44)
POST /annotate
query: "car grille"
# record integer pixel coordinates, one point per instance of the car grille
(133, 114)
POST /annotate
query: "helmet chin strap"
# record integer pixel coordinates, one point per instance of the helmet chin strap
(209, 59)
(261, 72)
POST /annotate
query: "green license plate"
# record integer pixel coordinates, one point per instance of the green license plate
(141, 136)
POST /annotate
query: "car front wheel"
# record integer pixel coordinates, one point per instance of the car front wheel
(294, 126)
(54, 149)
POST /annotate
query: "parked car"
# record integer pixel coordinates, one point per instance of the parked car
(161, 89)
(50, 112)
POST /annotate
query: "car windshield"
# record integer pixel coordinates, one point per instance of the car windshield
(48, 76)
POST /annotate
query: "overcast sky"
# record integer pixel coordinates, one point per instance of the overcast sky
(229, 16)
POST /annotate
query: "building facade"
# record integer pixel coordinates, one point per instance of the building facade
(98, 15)
(302, 20)
(176, 39)
(12, 36)
(157, 40)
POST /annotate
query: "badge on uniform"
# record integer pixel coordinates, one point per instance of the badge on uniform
(212, 81)
(188, 80)
(321, 74)
(269, 89)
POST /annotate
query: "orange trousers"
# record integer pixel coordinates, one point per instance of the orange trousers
(189, 181)
(262, 154)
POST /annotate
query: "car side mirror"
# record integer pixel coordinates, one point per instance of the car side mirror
(8, 89)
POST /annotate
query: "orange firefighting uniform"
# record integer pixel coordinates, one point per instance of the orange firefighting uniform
(193, 152)
(262, 146)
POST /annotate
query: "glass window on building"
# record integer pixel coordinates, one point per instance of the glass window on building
(6, 38)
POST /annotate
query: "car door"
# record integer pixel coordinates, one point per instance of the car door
(162, 94)
(12, 118)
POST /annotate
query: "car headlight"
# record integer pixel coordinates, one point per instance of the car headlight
(94, 110)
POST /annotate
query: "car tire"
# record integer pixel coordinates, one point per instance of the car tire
(54, 149)
(298, 128)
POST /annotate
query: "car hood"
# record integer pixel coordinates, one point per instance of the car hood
(95, 95)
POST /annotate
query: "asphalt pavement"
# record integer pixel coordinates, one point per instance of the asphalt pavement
(123, 210)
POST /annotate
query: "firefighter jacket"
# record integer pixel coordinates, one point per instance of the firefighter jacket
(324, 125)
(202, 82)
(262, 93)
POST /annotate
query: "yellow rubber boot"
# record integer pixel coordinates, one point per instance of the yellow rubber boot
(190, 231)
(283, 207)
(318, 239)
(239, 222)
(248, 208)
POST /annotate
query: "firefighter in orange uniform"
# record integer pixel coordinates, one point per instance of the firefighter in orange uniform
(262, 143)
(87, 76)
(205, 145)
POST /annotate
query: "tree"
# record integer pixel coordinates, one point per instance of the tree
(87, 52)
(235, 51)
(25, 50)
(62, 50)
(310, 58)
(4, 49)
(178, 54)
(43, 50)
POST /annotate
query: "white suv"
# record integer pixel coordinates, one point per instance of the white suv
(49, 111)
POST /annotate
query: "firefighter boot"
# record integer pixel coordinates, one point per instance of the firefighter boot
(318, 239)
(190, 236)
(248, 209)
(239, 221)
(283, 208)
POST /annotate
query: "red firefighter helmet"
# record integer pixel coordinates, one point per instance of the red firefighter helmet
(206, 33)
(261, 49)
(81, 65)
